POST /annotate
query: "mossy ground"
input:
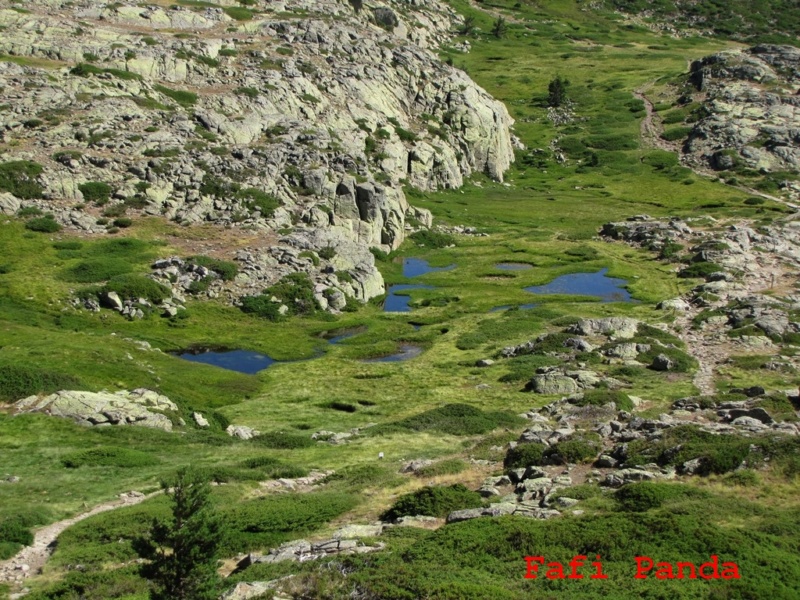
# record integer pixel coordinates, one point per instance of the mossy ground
(546, 215)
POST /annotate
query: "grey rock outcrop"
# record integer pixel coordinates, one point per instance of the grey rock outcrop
(137, 407)
(316, 132)
(751, 107)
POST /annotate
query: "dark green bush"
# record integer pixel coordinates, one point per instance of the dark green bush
(123, 222)
(453, 419)
(18, 382)
(267, 522)
(660, 159)
(436, 501)
(13, 536)
(226, 269)
(239, 13)
(717, 453)
(700, 269)
(185, 99)
(29, 211)
(682, 362)
(599, 397)
(676, 133)
(451, 466)
(379, 254)
(130, 286)
(255, 199)
(432, 239)
(45, 224)
(96, 191)
(612, 142)
(109, 457)
(524, 455)
(99, 269)
(295, 291)
(281, 440)
(327, 253)
(19, 178)
(646, 495)
(573, 450)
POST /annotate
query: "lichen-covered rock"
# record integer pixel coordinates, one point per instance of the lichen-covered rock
(137, 407)
(310, 122)
(751, 117)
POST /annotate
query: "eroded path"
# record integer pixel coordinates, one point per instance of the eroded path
(30, 560)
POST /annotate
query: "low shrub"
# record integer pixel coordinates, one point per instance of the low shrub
(327, 253)
(125, 458)
(266, 522)
(98, 269)
(716, 453)
(17, 381)
(227, 270)
(453, 419)
(98, 192)
(572, 451)
(432, 239)
(451, 466)
(524, 455)
(646, 495)
(676, 133)
(612, 142)
(281, 440)
(437, 501)
(255, 199)
(45, 224)
(700, 269)
(19, 178)
(123, 222)
(681, 361)
(130, 286)
(184, 98)
(599, 397)
(295, 291)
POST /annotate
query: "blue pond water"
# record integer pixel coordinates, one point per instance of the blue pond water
(513, 266)
(414, 267)
(406, 351)
(507, 306)
(608, 289)
(242, 361)
(399, 303)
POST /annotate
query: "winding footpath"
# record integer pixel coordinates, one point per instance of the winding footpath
(30, 560)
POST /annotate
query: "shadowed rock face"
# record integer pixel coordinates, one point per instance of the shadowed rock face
(752, 115)
(185, 110)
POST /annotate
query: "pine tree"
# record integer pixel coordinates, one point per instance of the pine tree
(468, 27)
(499, 28)
(183, 549)
(557, 92)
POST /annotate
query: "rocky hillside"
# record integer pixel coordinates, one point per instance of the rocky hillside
(750, 114)
(300, 120)
(767, 20)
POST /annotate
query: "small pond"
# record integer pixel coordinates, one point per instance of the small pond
(242, 361)
(608, 289)
(414, 267)
(406, 352)
(512, 266)
(398, 302)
